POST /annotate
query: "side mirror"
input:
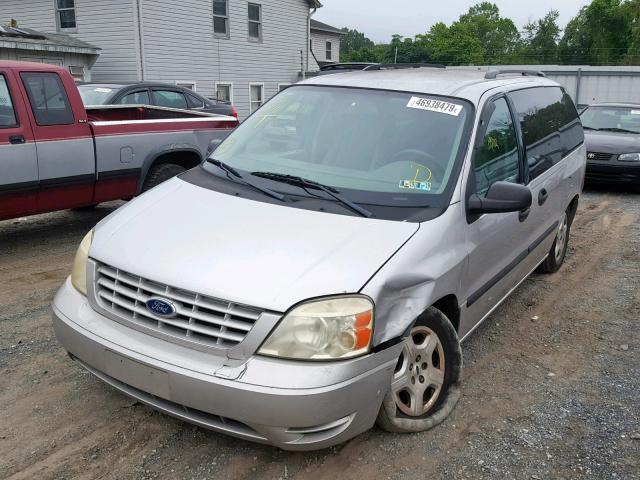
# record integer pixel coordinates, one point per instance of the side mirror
(502, 197)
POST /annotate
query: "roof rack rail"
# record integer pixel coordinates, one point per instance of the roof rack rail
(402, 66)
(493, 74)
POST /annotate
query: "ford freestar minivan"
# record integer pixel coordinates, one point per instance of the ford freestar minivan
(319, 270)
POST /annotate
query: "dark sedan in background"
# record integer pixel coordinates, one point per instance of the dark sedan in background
(147, 93)
(612, 136)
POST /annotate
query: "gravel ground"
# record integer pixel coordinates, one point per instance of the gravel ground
(551, 383)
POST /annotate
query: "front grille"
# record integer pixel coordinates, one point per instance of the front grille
(199, 318)
(599, 157)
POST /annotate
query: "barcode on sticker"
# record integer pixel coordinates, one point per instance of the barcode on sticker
(435, 105)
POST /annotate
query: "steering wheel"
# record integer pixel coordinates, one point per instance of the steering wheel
(432, 164)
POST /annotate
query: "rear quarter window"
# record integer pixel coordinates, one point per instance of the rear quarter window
(550, 126)
(48, 98)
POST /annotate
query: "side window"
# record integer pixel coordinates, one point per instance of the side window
(497, 158)
(540, 111)
(194, 102)
(170, 98)
(571, 130)
(48, 98)
(136, 98)
(7, 112)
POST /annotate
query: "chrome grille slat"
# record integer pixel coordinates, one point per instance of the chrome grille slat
(205, 320)
(599, 156)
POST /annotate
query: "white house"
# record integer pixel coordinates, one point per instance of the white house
(240, 51)
(325, 43)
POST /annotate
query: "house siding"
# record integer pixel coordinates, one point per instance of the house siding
(109, 25)
(178, 43)
(194, 54)
(319, 41)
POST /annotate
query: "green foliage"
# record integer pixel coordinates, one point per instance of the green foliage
(605, 32)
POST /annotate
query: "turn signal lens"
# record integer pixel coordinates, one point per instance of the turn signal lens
(329, 329)
(79, 271)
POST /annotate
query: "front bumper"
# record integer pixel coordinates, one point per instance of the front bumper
(291, 405)
(613, 173)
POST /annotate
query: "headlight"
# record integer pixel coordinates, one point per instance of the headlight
(629, 157)
(79, 272)
(329, 329)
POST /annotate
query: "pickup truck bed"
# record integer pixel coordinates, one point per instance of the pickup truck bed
(55, 154)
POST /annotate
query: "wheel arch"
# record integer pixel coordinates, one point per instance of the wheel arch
(185, 157)
(449, 306)
(573, 208)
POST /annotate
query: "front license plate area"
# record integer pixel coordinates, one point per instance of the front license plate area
(137, 375)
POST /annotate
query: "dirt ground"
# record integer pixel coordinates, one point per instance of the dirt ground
(551, 383)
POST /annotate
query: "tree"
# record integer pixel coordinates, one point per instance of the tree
(497, 35)
(601, 34)
(353, 40)
(540, 40)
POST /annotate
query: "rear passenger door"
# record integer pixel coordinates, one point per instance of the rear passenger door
(138, 97)
(18, 160)
(64, 142)
(169, 98)
(549, 134)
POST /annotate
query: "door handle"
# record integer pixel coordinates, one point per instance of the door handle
(522, 216)
(542, 196)
(17, 139)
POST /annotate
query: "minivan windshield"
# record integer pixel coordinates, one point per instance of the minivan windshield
(378, 147)
(612, 119)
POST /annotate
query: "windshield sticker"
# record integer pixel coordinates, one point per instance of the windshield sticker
(635, 112)
(413, 185)
(103, 90)
(435, 106)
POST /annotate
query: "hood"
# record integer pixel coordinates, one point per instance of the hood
(611, 142)
(244, 251)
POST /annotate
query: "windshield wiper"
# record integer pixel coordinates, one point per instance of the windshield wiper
(615, 129)
(240, 179)
(306, 183)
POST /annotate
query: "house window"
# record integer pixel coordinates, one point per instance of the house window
(329, 56)
(256, 96)
(186, 84)
(66, 14)
(255, 22)
(221, 18)
(224, 92)
(77, 73)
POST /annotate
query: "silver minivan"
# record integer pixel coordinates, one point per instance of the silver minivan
(318, 272)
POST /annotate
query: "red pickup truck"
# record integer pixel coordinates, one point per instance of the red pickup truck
(55, 154)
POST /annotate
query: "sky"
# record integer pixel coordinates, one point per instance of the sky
(379, 19)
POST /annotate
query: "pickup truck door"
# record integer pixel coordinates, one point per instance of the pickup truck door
(18, 160)
(64, 141)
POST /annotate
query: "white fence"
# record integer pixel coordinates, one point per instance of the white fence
(588, 84)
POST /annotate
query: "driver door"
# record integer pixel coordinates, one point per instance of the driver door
(497, 242)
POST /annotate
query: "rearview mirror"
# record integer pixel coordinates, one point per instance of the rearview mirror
(501, 197)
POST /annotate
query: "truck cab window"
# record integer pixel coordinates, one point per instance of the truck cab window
(497, 158)
(7, 112)
(48, 98)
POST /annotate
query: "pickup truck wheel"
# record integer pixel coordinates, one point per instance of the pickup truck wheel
(424, 387)
(558, 250)
(161, 173)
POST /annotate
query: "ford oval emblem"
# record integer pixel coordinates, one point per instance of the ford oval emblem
(162, 307)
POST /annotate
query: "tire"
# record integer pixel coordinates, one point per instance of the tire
(161, 173)
(558, 251)
(399, 413)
